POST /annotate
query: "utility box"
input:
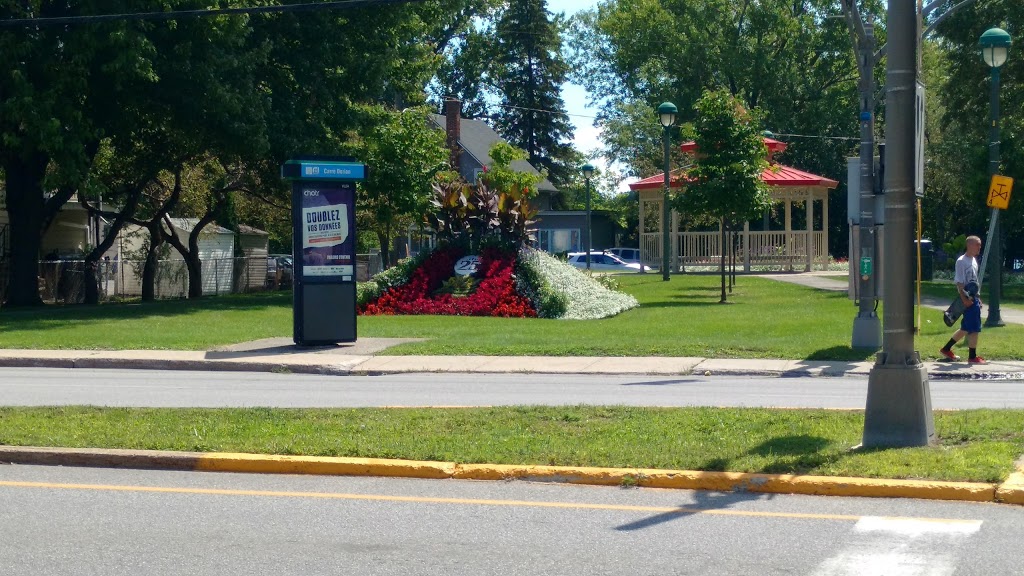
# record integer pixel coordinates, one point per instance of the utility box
(927, 259)
(324, 247)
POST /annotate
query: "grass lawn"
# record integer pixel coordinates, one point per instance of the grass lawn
(976, 445)
(163, 324)
(1012, 295)
(682, 317)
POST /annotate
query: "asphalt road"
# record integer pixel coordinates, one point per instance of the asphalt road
(51, 386)
(78, 521)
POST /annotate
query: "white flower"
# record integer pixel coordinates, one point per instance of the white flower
(588, 299)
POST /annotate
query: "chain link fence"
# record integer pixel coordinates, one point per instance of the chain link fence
(63, 281)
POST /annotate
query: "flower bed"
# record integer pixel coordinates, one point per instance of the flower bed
(493, 295)
(530, 284)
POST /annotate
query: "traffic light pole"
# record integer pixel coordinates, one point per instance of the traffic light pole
(867, 328)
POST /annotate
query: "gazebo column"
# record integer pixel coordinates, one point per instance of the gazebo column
(640, 231)
(676, 249)
(809, 203)
(789, 233)
(746, 246)
(824, 227)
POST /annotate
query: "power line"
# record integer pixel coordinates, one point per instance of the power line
(595, 117)
(181, 14)
(821, 137)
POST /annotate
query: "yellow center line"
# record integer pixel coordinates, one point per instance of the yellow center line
(462, 501)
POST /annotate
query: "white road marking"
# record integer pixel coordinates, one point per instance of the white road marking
(914, 527)
(880, 546)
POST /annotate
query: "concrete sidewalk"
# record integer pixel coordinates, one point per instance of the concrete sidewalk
(362, 358)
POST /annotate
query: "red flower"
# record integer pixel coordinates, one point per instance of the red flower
(495, 295)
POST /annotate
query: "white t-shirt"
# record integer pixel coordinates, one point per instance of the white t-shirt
(966, 270)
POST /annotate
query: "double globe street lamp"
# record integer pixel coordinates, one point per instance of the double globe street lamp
(995, 46)
(588, 172)
(667, 116)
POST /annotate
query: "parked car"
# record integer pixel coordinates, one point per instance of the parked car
(627, 255)
(280, 270)
(603, 262)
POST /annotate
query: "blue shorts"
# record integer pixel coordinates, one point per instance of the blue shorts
(971, 322)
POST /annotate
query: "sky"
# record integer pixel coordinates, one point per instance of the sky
(575, 96)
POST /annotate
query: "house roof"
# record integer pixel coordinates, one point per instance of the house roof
(476, 139)
(243, 229)
(187, 224)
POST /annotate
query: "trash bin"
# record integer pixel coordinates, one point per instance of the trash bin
(927, 259)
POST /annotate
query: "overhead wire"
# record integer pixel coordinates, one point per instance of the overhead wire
(199, 13)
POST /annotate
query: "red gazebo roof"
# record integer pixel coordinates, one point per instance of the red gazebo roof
(774, 175)
(772, 145)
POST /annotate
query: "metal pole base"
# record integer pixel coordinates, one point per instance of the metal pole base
(899, 407)
(994, 320)
(867, 332)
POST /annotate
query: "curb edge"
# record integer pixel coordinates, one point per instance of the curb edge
(1010, 492)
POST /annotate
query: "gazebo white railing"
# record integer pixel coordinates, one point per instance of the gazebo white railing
(751, 249)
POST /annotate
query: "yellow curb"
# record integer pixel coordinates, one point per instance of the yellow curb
(327, 466)
(734, 482)
(1012, 491)
(567, 474)
(818, 485)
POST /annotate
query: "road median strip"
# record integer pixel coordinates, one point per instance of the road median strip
(1011, 491)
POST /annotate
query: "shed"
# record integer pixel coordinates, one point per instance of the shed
(254, 244)
(216, 253)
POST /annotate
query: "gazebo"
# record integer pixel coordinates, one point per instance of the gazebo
(789, 249)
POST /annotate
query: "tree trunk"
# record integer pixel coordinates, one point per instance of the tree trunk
(152, 264)
(26, 211)
(92, 281)
(385, 252)
(92, 294)
(721, 263)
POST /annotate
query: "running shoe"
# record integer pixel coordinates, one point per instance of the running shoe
(977, 360)
(949, 354)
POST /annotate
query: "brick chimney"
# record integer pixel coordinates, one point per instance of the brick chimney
(452, 120)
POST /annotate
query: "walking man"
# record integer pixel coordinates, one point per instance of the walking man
(967, 273)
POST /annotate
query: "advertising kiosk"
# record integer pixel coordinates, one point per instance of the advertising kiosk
(324, 247)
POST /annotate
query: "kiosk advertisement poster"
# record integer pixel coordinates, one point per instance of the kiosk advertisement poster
(328, 225)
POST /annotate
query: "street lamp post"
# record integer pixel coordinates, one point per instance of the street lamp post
(995, 43)
(667, 116)
(588, 172)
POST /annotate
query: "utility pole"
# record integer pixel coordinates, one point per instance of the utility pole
(867, 331)
(899, 411)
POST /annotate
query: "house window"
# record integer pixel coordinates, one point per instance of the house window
(555, 241)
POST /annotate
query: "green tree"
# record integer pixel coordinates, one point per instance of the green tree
(530, 71)
(405, 153)
(962, 158)
(54, 83)
(249, 91)
(786, 58)
(726, 178)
